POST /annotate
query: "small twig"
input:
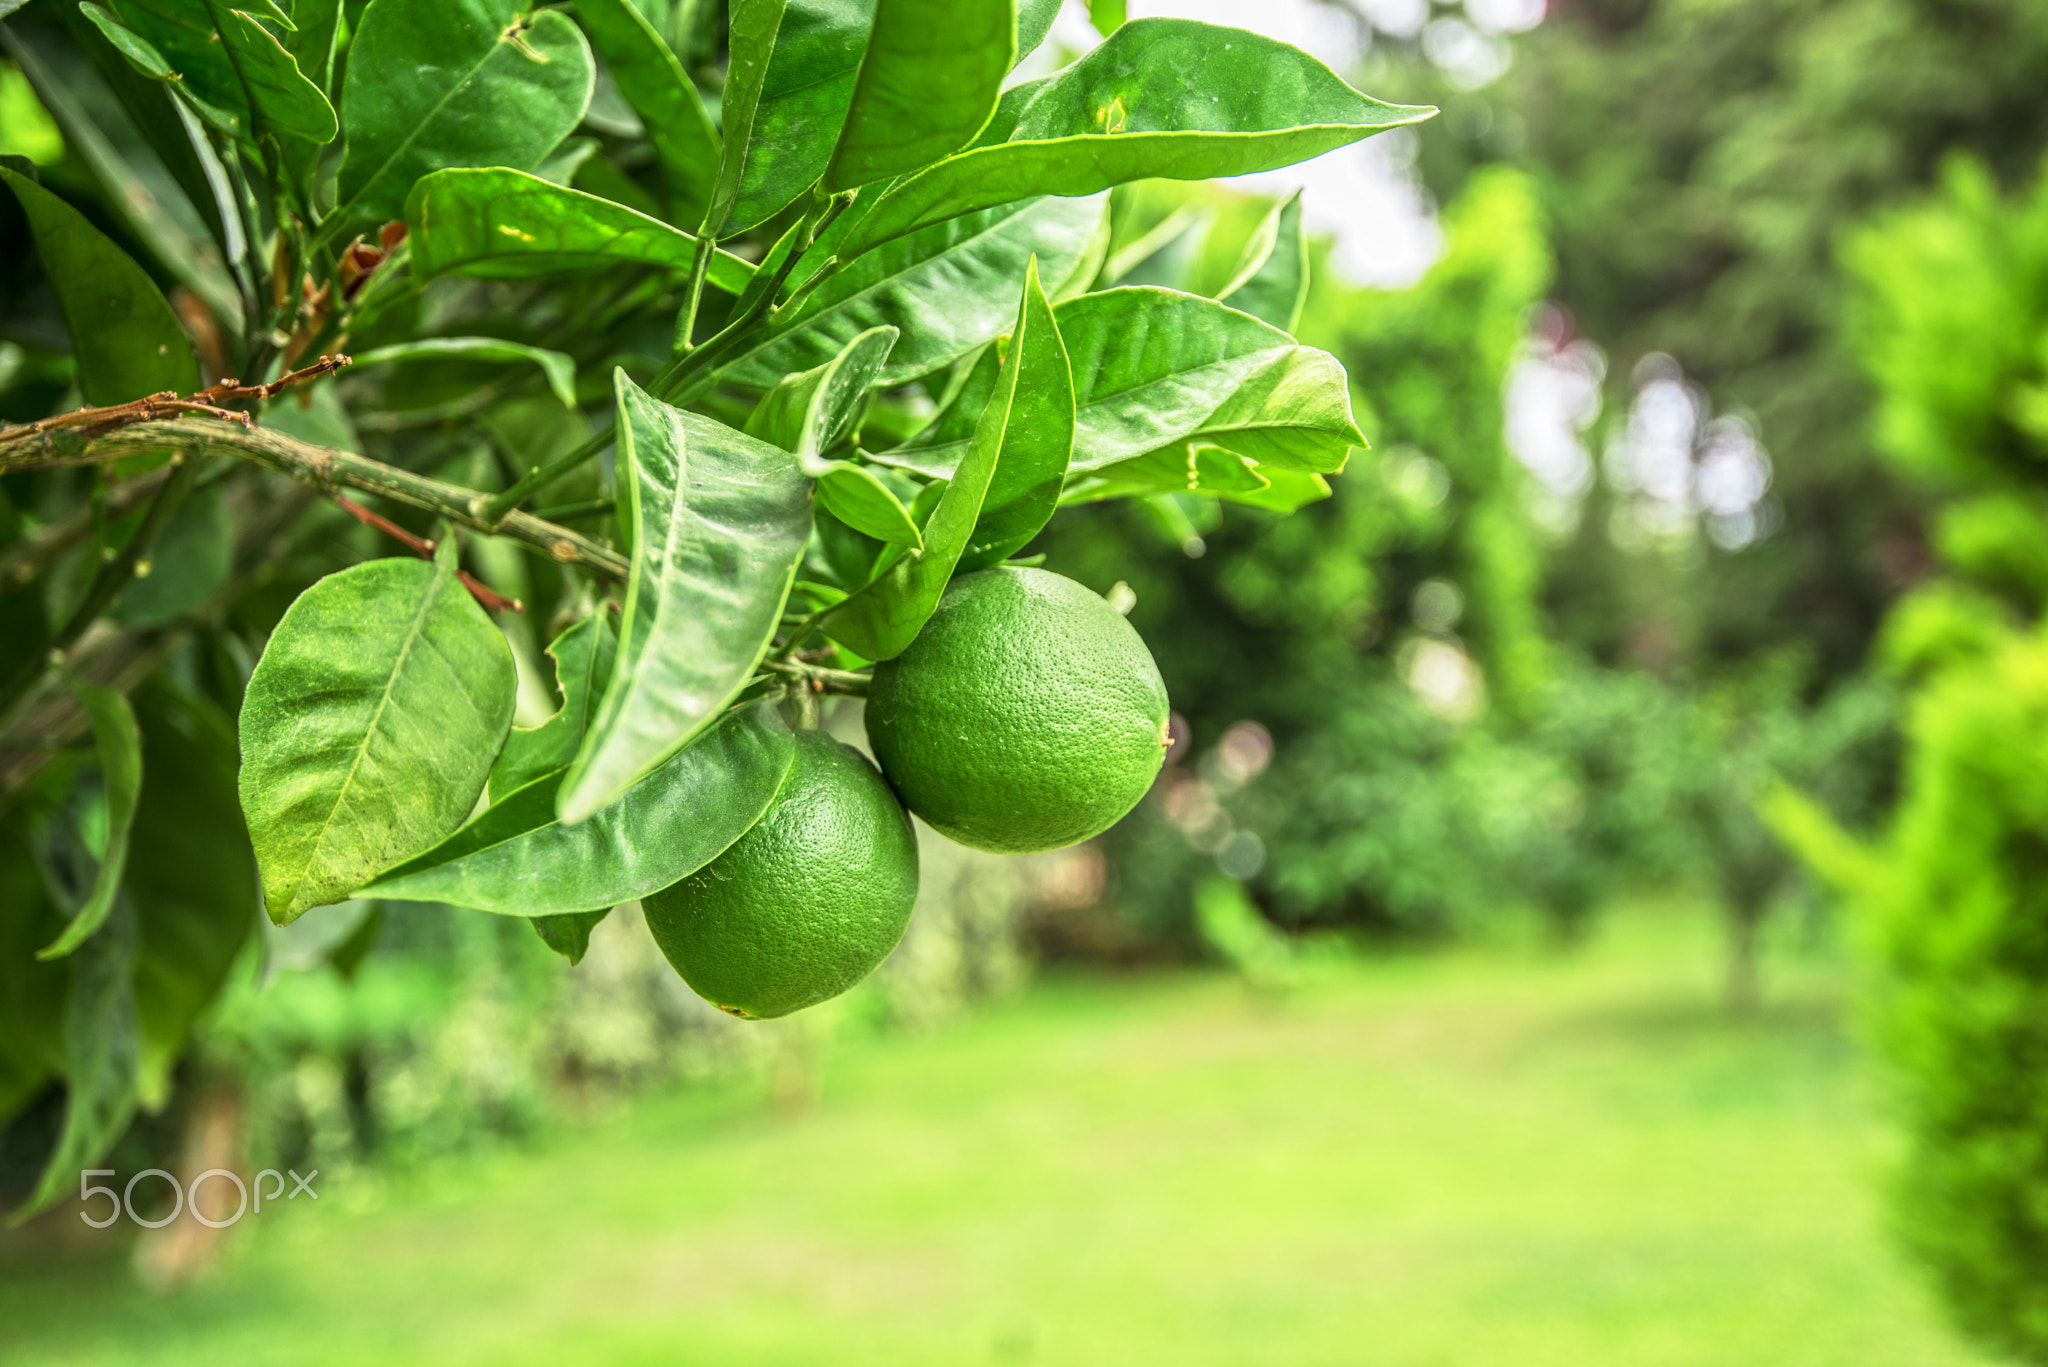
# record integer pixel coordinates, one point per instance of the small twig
(843, 682)
(487, 597)
(92, 421)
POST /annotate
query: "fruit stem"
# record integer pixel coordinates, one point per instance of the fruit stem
(843, 682)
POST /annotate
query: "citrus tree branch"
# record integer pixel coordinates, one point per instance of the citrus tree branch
(321, 466)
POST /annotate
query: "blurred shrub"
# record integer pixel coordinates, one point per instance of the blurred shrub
(1951, 321)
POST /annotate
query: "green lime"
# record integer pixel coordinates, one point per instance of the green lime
(1027, 715)
(807, 902)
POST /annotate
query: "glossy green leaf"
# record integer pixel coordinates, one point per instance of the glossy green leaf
(583, 657)
(174, 41)
(1155, 370)
(808, 413)
(450, 84)
(518, 859)
(717, 522)
(881, 620)
(102, 1046)
(662, 94)
(228, 66)
(369, 727)
(1169, 98)
(119, 743)
(569, 935)
(508, 225)
(946, 287)
(1028, 479)
(278, 93)
(191, 874)
(1271, 279)
(126, 339)
(558, 367)
(1034, 21)
(929, 80)
(790, 82)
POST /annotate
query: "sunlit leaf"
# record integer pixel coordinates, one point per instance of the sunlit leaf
(717, 523)
(1271, 279)
(454, 83)
(947, 288)
(881, 620)
(518, 859)
(369, 726)
(1155, 370)
(508, 225)
(1169, 98)
(930, 78)
(126, 339)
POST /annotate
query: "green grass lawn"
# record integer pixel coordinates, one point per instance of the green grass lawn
(1490, 1157)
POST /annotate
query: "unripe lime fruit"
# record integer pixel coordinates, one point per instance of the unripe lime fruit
(1027, 715)
(807, 902)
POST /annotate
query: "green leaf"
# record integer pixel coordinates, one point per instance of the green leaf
(125, 338)
(1026, 486)
(788, 86)
(569, 936)
(101, 1058)
(142, 56)
(450, 84)
(929, 80)
(654, 83)
(945, 287)
(369, 727)
(312, 43)
(809, 412)
(31, 991)
(1106, 15)
(856, 497)
(717, 522)
(283, 100)
(1155, 370)
(1271, 279)
(558, 367)
(1034, 21)
(881, 621)
(1168, 98)
(583, 657)
(518, 859)
(188, 565)
(119, 743)
(508, 225)
(191, 874)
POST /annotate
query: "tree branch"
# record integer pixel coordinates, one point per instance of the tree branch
(321, 466)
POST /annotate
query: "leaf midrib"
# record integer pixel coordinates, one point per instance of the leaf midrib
(413, 634)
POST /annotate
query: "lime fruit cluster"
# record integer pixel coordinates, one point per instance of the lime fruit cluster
(807, 902)
(1026, 716)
